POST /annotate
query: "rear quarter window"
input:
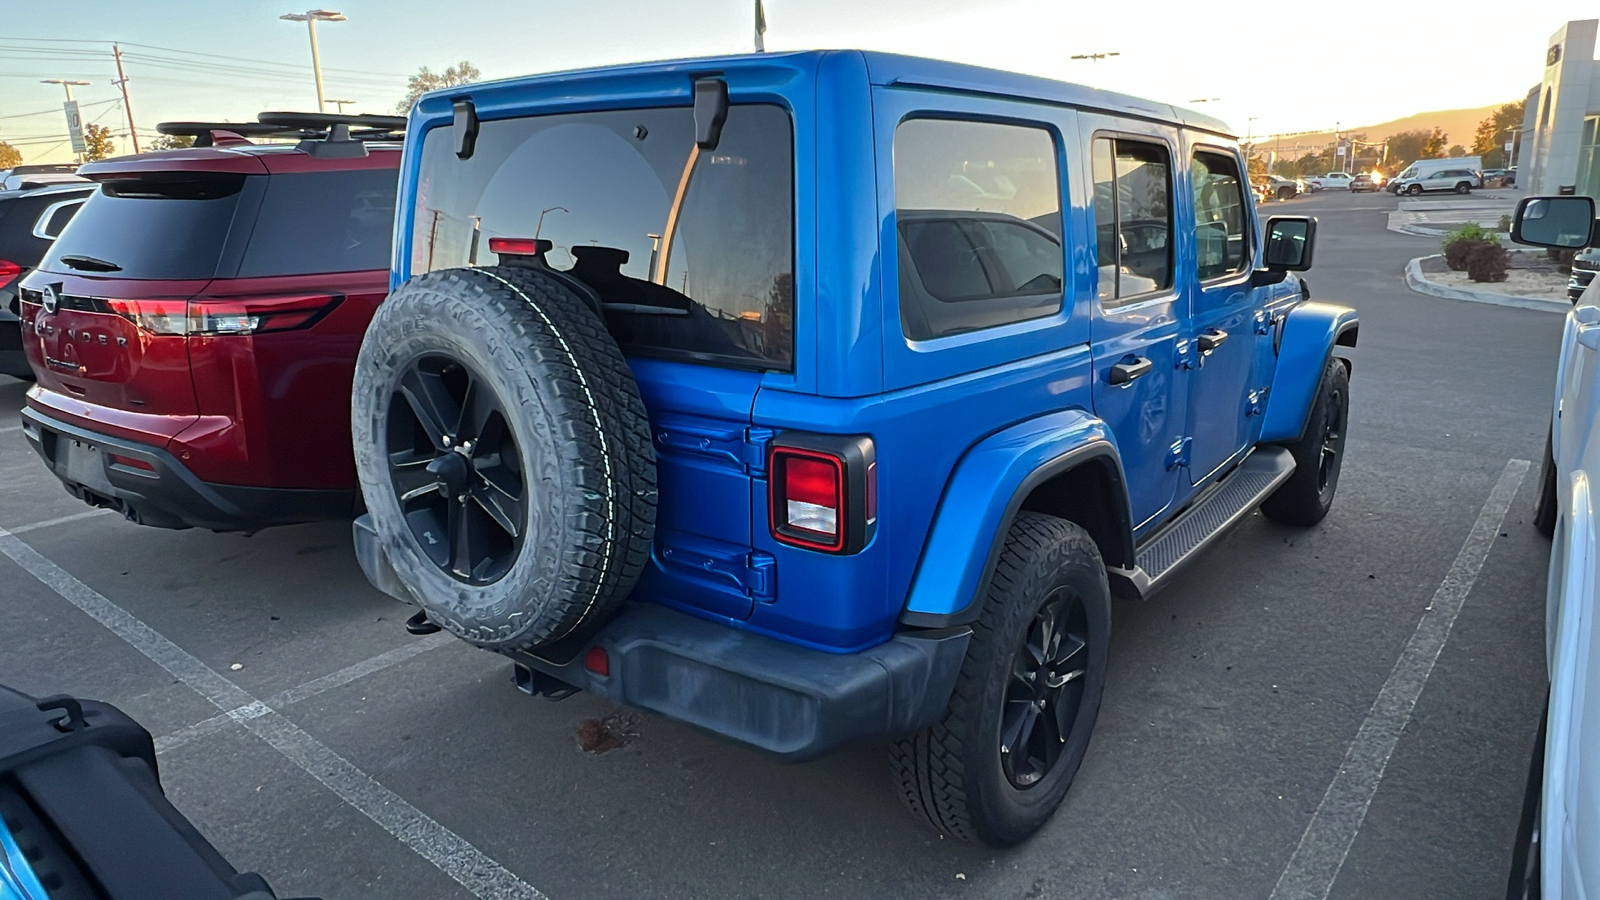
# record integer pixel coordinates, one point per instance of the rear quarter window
(314, 222)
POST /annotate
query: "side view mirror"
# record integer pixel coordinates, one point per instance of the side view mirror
(1565, 223)
(1291, 243)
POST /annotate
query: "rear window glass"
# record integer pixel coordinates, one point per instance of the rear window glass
(323, 222)
(601, 186)
(161, 229)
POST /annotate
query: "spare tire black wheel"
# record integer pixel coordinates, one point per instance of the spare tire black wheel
(504, 454)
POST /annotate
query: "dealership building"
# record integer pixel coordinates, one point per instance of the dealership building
(1559, 151)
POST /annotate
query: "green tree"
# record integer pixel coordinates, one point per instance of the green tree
(427, 80)
(1407, 147)
(172, 142)
(98, 139)
(9, 156)
(1489, 140)
(1434, 148)
(1458, 150)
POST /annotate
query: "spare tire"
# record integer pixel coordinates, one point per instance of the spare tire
(504, 454)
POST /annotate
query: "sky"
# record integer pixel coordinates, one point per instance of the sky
(1264, 68)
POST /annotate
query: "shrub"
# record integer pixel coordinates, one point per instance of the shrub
(1469, 234)
(1505, 224)
(1487, 262)
(1457, 252)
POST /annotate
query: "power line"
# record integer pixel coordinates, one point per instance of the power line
(56, 111)
(229, 58)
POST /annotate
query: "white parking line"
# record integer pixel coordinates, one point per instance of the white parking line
(10, 428)
(449, 852)
(1326, 842)
(309, 689)
(59, 520)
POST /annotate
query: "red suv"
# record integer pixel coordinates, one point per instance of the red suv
(194, 331)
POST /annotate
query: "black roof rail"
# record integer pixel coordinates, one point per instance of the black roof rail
(203, 132)
(339, 142)
(327, 121)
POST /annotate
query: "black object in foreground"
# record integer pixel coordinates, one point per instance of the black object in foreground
(82, 814)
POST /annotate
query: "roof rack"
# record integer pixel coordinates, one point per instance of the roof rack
(204, 133)
(321, 134)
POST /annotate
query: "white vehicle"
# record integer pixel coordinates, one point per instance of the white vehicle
(1422, 168)
(1333, 181)
(1558, 845)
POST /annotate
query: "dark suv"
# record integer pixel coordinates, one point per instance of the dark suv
(30, 220)
(194, 332)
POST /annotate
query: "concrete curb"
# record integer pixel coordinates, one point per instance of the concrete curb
(1420, 283)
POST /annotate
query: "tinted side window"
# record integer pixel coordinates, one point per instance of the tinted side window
(59, 214)
(323, 222)
(1134, 179)
(978, 207)
(1220, 232)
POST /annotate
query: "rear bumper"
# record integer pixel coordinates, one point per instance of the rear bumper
(167, 494)
(791, 701)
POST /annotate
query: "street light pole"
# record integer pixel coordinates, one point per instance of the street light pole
(311, 17)
(68, 84)
(340, 104)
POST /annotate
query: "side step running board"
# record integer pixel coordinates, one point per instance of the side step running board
(1222, 507)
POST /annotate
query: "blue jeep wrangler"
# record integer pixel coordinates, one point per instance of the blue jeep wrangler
(819, 397)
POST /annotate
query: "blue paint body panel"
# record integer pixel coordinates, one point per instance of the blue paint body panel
(959, 423)
(957, 550)
(1309, 333)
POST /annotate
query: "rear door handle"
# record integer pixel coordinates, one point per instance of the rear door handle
(1211, 339)
(1125, 372)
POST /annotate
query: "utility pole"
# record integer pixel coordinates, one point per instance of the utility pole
(311, 17)
(122, 82)
(1096, 57)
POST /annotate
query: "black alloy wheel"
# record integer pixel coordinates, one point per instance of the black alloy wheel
(1045, 690)
(1336, 414)
(456, 469)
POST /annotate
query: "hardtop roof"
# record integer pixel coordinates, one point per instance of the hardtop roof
(884, 69)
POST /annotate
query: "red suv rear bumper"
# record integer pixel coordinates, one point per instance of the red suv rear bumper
(150, 486)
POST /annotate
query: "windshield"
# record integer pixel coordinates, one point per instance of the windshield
(599, 186)
(166, 228)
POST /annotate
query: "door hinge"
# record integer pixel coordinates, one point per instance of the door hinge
(1178, 453)
(761, 576)
(1255, 402)
(756, 439)
(1263, 322)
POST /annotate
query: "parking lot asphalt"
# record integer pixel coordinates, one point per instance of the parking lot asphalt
(1240, 752)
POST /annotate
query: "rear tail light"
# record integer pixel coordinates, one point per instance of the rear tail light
(204, 316)
(8, 272)
(822, 491)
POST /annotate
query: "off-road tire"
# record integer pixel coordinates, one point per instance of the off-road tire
(951, 772)
(581, 432)
(1308, 494)
(1548, 506)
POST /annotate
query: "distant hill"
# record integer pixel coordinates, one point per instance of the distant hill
(1459, 124)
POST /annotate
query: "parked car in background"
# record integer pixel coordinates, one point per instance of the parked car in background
(1557, 852)
(1333, 181)
(1280, 188)
(1584, 266)
(1363, 183)
(19, 178)
(1456, 180)
(840, 443)
(195, 330)
(29, 221)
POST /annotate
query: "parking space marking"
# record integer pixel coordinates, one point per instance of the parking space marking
(449, 852)
(302, 692)
(1326, 842)
(10, 428)
(58, 520)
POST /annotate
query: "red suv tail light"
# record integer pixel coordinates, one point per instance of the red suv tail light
(203, 316)
(8, 272)
(822, 491)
